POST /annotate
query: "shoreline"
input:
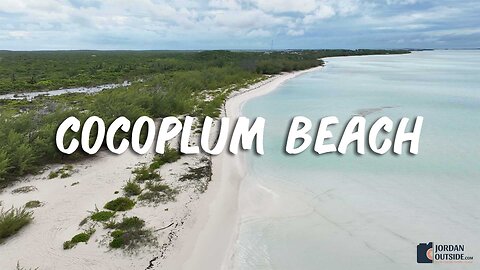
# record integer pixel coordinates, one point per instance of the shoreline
(208, 240)
(205, 224)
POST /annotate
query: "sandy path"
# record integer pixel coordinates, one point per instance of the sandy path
(40, 243)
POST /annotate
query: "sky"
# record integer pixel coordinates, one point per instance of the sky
(237, 24)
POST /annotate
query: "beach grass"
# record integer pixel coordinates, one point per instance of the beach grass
(145, 173)
(132, 189)
(169, 156)
(13, 220)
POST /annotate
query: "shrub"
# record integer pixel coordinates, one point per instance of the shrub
(143, 174)
(198, 174)
(169, 156)
(117, 233)
(53, 174)
(120, 204)
(78, 238)
(33, 204)
(132, 189)
(12, 220)
(158, 193)
(102, 216)
(81, 237)
(130, 233)
(68, 245)
(64, 172)
(157, 187)
(24, 189)
(130, 223)
(117, 242)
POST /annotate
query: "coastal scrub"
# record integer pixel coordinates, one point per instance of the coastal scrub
(12, 221)
(120, 204)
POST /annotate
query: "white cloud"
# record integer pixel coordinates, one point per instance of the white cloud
(279, 6)
(294, 33)
(228, 4)
(259, 33)
(322, 12)
(402, 2)
(246, 19)
(19, 34)
(233, 21)
(454, 32)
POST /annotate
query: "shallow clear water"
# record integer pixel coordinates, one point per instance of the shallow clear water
(366, 212)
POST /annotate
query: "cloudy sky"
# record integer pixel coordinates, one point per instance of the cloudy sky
(238, 24)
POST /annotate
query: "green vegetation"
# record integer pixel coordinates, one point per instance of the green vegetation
(102, 216)
(120, 204)
(132, 189)
(24, 189)
(164, 84)
(201, 175)
(130, 233)
(169, 156)
(33, 204)
(83, 222)
(145, 173)
(157, 193)
(23, 71)
(12, 221)
(197, 173)
(79, 238)
(64, 172)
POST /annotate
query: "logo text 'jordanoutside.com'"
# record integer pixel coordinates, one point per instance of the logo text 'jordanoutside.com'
(429, 253)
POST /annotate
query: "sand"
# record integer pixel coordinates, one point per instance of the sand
(209, 238)
(196, 231)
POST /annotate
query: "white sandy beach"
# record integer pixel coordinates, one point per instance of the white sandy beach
(204, 224)
(209, 238)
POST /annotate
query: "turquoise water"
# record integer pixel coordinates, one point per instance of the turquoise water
(366, 212)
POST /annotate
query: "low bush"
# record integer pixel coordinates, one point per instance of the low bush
(117, 242)
(158, 193)
(13, 220)
(169, 156)
(79, 238)
(130, 223)
(33, 204)
(102, 216)
(130, 233)
(24, 189)
(64, 172)
(132, 189)
(197, 173)
(53, 174)
(201, 176)
(120, 204)
(143, 174)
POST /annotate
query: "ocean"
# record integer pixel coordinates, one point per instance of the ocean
(369, 211)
